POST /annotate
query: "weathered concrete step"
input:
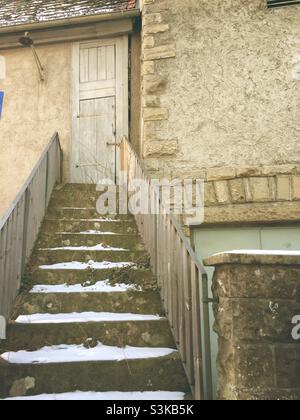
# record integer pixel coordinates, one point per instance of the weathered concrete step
(128, 302)
(32, 337)
(139, 277)
(131, 242)
(129, 375)
(75, 187)
(82, 213)
(108, 396)
(61, 226)
(54, 256)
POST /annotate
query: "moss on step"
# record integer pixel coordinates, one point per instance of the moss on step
(32, 337)
(126, 302)
(129, 375)
(51, 226)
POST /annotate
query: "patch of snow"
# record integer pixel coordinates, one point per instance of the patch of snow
(87, 232)
(78, 353)
(106, 396)
(262, 252)
(99, 287)
(99, 247)
(83, 317)
(75, 265)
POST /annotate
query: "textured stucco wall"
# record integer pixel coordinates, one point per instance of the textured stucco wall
(229, 97)
(32, 112)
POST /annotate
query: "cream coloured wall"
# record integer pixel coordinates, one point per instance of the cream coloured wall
(220, 85)
(32, 112)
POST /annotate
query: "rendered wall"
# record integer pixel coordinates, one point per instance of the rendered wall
(32, 112)
(220, 85)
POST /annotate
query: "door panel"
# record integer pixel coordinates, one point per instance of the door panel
(100, 108)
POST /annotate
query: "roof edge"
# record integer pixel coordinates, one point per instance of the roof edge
(124, 14)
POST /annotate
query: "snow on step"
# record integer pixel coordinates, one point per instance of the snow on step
(106, 396)
(87, 232)
(79, 353)
(75, 265)
(99, 287)
(99, 247)
(82, 317)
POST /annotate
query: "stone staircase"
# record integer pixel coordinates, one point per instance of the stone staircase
(89, 323)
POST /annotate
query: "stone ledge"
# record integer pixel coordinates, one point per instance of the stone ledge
(255, 257)
(281, 212)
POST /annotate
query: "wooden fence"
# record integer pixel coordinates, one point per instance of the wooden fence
(181, 277)
(20, 226)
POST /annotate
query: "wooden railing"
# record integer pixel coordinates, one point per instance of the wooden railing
(182, 280)
(20, 226)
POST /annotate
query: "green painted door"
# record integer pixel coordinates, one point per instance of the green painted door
(209, 241)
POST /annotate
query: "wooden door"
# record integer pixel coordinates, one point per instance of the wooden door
(99, 108)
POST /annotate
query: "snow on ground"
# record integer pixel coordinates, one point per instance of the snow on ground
(87, 232)
(106, 396)
(75, 265)
(100, 247)
(262, 252)
(99, 287)
(79, 353)
(83, 317)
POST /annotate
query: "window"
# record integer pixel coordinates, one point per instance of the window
(281, 3)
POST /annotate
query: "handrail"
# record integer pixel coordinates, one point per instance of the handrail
(182, 280)
(20, 226)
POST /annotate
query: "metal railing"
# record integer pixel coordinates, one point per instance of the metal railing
(182, 280)
(20, 226)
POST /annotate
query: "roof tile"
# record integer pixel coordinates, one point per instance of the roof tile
(18, 12)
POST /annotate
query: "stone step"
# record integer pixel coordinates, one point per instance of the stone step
(140, 277)
(128, 302)
(69, 213)
(108, 396)
(132, 242)
(83, 226)
(32, 337)
(54, 256)
(153, 374)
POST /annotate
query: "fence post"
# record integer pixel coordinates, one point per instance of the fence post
(25, 230)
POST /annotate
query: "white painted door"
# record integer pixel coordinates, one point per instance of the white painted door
(99, 108)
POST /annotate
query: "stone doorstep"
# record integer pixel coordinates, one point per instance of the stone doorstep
(255, 257)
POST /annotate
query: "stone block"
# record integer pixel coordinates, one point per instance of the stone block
(296, 187)
(154, 84)
(222, 192)
(161, 52)
(219, 174)
(260, 189)
(284, 188)
(209, 194)
(161, 148)
(155, 114)
(237, 190)
(287, 365)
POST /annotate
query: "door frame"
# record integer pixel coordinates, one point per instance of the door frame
(122, 99)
